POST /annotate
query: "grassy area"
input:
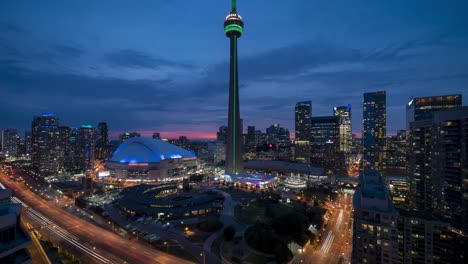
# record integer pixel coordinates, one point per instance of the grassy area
(261, 211)
(257, 259)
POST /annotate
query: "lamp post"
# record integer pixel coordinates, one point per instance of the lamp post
(203, 255)
(167, 246)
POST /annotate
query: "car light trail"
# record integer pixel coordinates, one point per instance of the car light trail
(53, 228)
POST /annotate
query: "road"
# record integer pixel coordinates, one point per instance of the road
(336, 242)
(87, 241)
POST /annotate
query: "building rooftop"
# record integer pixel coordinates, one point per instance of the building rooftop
(372, 193)
(147, 150)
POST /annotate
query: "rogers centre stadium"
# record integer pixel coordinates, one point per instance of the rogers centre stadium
(150, 159)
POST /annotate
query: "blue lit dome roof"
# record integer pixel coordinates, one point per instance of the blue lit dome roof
(138, 150)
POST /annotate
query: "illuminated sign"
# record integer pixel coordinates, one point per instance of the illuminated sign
(103, 174)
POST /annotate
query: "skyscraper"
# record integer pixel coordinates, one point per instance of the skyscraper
(45, 144)
(251, 135)
(103, 134)
(450, 166)
(419, 115)
(86, 146)
(303, 113)
(344, 113)
(325, 143)
(374, 130)
(422, 108)
(10, 141)
(233, 28)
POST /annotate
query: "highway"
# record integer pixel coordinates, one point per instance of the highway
(89, 243)
(336, 242)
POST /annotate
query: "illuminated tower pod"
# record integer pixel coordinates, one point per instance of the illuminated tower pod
(233, 28)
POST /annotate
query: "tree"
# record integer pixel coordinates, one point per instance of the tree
(229, 233)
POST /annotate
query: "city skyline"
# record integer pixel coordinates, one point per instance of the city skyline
(141, 64)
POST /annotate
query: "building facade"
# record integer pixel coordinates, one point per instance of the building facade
(419, 120)
(86, 146)
(45, 144)
(374, 130)
(325, 144)
(344, 114)
(422, 108)
(302, 115)
(383, 234)
(450, 166)
(10, 142)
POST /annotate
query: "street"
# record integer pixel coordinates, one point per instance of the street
(336, 242)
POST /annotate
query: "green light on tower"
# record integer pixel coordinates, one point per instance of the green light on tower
(233, 27)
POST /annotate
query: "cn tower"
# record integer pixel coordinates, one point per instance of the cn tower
(233, 28)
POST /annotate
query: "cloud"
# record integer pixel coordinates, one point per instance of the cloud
(69, 51)
(129, 58)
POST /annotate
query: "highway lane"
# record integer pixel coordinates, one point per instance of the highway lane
(83, 235)
(336, 240)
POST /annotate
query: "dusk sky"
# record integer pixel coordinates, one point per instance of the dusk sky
(162, 66)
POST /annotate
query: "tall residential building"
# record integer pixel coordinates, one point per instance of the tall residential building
(102, 134)
(450, 166)
(419, 115)
(45, 144)
(14, 240)
(251, 135)
(325, 143)
(397, 147)
(10, 142)
(86, 146)
(344, 113)
(383, 234)
(302, 114)
(103, 148)
(374, 130)
(234, 28)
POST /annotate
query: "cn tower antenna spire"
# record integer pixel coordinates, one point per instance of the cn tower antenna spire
(234, 5)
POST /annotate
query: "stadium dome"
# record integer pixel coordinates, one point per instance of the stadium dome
(148, 150)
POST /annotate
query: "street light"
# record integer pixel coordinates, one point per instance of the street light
(203, 255)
